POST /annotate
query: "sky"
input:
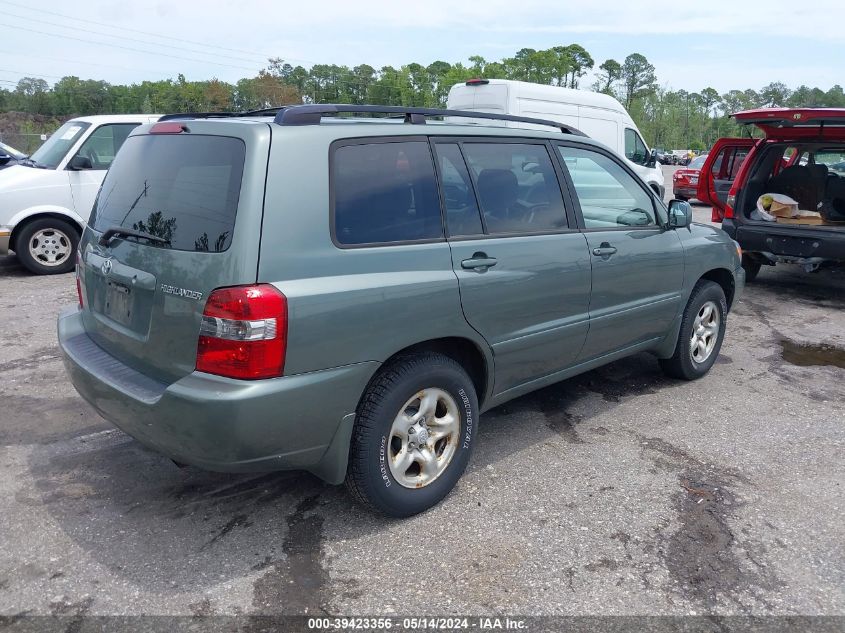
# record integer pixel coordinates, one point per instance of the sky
(723, 44)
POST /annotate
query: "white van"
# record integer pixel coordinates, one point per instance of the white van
(597, 115)
(45, 200)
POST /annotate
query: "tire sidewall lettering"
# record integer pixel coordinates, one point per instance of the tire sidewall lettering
(469, 422)
(382, 457)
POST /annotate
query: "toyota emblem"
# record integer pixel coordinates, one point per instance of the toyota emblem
(106, 267)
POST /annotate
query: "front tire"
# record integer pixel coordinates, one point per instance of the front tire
(414, 432)
(47, 246)
(701, 335)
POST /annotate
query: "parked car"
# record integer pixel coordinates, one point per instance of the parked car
(9, 156)
(791, 160)
(600, 116)
(45, 199)
(663, 156)
(681, 156)
(263, 293)
(685, 180)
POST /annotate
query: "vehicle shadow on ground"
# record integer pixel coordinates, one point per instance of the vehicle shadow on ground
(825, 287)
(11, 267)
(160, 526)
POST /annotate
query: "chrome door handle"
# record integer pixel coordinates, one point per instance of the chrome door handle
(479, 262)
(604, 250)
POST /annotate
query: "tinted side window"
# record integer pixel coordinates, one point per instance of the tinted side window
(101, 147)
(385, 192)
(516, 186)
(609, 196)
(462, 217)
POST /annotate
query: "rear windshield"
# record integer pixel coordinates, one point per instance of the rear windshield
(698, 162)
(182, 188)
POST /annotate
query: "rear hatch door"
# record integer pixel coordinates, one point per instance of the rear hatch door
(196, 190)
(796, 123)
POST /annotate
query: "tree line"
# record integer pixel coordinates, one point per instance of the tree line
(668, 118)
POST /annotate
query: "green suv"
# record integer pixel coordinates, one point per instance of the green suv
(297, 290)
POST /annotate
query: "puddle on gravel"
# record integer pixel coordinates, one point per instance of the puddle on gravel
(809, 355)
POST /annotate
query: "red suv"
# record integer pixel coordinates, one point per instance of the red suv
(801, 155)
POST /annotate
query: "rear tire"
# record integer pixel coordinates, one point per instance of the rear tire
(701, 335)
(750, 267)
(400, 467)
(47, 246)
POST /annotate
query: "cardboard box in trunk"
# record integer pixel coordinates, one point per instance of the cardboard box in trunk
(783, 210)
(807, 219)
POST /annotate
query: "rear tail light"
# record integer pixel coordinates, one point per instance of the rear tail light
(730, 203)
(244, 333)
(80, 280)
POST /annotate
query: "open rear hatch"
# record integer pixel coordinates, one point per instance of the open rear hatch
(178, 215)
(794, 123)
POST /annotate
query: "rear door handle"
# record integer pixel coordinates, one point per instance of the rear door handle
(479, 262)
(604, 250)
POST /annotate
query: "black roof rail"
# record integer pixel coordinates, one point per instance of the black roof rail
(199, 115)
(312, 114)
(221, 115)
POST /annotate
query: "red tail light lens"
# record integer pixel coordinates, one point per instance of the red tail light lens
(167, 128)
(730, 203)
(244, 333)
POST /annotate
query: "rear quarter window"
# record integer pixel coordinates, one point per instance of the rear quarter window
(181, 188)
(384, 193)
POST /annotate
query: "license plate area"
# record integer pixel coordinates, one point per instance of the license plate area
(118, 305)
(795, 246)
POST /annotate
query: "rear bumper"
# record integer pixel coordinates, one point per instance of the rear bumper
(739, 285)
(687, 192)
(216, 423)
(788, 243)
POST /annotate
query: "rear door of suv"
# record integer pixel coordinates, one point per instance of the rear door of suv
(192, 194)
(523, 269)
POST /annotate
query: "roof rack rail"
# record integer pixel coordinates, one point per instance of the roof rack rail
(199, 115)
(221, 115)
(312, 114)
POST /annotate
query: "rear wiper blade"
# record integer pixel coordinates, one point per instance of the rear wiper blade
(116, 231)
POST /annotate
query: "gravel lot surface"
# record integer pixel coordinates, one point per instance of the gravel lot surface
(616, 492)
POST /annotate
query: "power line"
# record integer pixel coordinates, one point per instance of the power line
(158, 35)
(25, 74)
(77, 61)
(124, 37)
(137, 50)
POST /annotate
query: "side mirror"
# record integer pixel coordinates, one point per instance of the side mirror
(680, 214)
(4, 158)
(652, 159)
(78, 163)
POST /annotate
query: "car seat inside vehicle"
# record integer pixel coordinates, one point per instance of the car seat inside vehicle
(808, 181)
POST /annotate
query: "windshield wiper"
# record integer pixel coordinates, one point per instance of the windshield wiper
(32, 163)
(115, 231)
